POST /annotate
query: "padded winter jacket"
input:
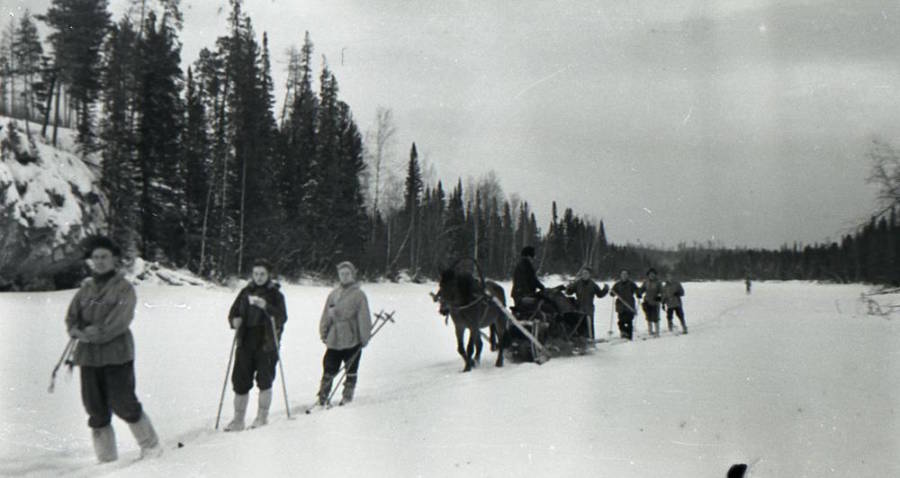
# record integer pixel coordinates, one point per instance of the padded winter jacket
(625, 291)
(256, 327)
(652, 292)
(346, 321)
(585, 291)
(103, 312)
(525, 281)
(672, 294)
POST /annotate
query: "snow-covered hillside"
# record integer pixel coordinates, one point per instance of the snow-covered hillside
(49, 199)
(793, 378)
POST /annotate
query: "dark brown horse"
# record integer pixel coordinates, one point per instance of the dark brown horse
(470, 306)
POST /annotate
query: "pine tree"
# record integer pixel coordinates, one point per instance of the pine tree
(197, 149)
(80, 28)
(412, 195)
(160, 112)
(27, 51)
(121, 177)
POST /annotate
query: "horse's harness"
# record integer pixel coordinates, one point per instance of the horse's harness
(485, 297)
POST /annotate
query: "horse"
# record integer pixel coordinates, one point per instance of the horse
(471, 307)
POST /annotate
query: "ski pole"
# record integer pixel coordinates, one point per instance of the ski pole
(384, 318)
(287, 408)
(612, 311)
(69, 347)
(227, 370)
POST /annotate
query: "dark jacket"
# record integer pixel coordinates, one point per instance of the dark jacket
(525, 281)
(625, 291)
(346, 321)
(672, 294)
(651, 289)
(585, 291)
(106, 311)
(256, 328)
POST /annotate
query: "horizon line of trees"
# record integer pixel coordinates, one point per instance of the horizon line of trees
(199, 173)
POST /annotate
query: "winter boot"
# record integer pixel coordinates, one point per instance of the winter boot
(670, 325)
(349, 387)
(262, 413)
(146, 437)
(104, 444)
(325, 388)
(240, 409)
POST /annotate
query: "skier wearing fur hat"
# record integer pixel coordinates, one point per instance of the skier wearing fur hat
(344, 328)
(99, 318)
(256, 308)
(673, 291)
(651, 289)
(585, 289)
(624, 291)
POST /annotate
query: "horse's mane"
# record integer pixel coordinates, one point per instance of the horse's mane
(466, 284)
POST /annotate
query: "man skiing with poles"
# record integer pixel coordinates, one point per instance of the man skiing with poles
(99, 317)
(345, 329)
(651, 290)
(673, 291)
(585, 289)
(624, 291)
(258, 309)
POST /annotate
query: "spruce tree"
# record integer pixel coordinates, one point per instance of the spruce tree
(80, 28)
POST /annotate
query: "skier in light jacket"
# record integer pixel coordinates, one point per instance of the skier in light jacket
(99, 317)
(344, 328)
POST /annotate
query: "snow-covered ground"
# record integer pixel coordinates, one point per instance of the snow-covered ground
(793, 378)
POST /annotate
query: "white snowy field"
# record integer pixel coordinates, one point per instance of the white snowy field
(793, 378)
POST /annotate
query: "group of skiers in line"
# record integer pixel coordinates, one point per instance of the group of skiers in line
(527, 290)
(101, 312)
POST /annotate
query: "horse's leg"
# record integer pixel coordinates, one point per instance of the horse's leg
(478, 345)
(460, 330)
(498, 326)
(470, 349)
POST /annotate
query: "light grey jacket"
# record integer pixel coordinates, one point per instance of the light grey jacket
(346, 321)
(105, 312)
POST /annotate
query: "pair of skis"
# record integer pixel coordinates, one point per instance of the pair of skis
(381, 319)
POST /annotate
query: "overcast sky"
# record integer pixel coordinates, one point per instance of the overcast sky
(744, 122)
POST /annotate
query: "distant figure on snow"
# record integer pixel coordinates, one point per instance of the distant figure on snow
(345, 327)
(624, 292)
(99, 317)
(747, 282)
(651, 289)
(672, 294)
(585, 289)
(526, 287)
(257, 309)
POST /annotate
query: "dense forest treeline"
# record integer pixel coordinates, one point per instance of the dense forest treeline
(199, 170)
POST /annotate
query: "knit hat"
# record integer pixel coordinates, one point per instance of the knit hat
(100, 242)
(263, 263)
(651, 271)
(347, 265)
(528, 251)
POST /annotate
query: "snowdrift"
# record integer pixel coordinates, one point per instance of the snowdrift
(794, 379)
(49, 201)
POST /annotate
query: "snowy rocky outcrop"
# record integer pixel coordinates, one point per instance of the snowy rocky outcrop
(49, 201)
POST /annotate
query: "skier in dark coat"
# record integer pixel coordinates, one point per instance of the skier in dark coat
(526, 286)
(585, 290)
(672, 293)
(651, 289)
(624, 292)
(99, 317)
(252, 314)
(345, 328)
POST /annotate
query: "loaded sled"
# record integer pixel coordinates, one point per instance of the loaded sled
(556, 326)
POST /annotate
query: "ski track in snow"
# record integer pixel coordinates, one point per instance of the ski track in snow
(780, 379)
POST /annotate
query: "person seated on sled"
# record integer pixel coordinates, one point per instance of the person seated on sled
(585, 289)
(526, 288)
